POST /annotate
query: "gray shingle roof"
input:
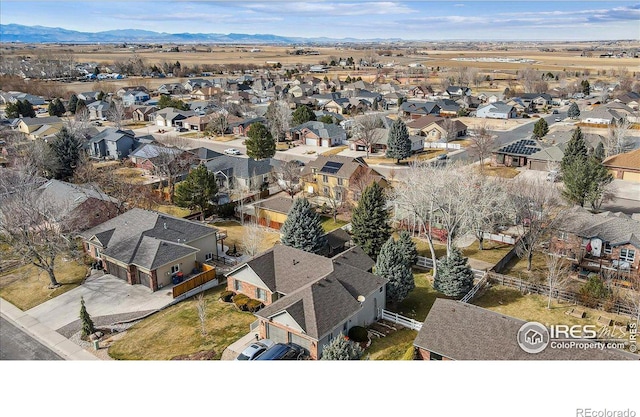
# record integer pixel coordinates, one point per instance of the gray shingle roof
(39, 121)
(123, 237)
(325, 303)
(150, 150)
(277, 204)
(349, 165)
(615, 228)
(463, 331)
(355, 257)
(323, 130)
(111, 134)
(239, 167)
(66, 197)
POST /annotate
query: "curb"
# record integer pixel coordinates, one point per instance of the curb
(50, 338)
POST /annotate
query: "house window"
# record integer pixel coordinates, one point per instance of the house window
(237, 285)
(325, 178)
(563, 236)
(339, 195)
(261, 294)
(434, 357)
(208, 256)
(325, 190)
(340, 181)
(628, 255)
(97, 252)
(607, 248)
(175, 269)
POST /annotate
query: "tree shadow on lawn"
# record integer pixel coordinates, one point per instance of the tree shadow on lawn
(498, 296)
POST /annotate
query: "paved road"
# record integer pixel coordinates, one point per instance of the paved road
(18, 345)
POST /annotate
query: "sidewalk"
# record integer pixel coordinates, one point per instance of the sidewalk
(50, 338)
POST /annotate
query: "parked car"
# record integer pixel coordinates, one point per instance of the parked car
(554, 112)
(282, 352)
(254, 350)
(442, 157)
(558, 119)
(232, 151)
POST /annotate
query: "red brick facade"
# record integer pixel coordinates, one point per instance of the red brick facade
(249, 290)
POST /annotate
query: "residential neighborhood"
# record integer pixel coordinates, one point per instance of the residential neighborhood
(379, 204)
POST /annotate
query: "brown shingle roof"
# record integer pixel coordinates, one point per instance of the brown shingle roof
(624, 160)
(277, 204)
(463, 331)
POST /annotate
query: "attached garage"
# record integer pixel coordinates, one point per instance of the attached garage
(311, 142)
(144, 279)
(631, 176)
(277, 334)
(117, 270)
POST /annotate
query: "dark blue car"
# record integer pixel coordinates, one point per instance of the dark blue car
(282, 352)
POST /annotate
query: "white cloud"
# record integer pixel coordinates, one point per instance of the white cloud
(332, 9)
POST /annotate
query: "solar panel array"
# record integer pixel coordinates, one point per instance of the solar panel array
(331, 167)
(522, 147)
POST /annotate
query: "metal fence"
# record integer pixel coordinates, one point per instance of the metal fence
(439, 145)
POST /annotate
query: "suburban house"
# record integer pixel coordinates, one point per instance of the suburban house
(497, 110)
(605, 243)
(206, 93)
(536, 100)
(460, 331)
(150, 248)
(624, 166)
(310, 299)
(15, 96)
(546, 159)
(40, 127)
(150, 155)
(112, 143)
(198, 123)
(135, 97)
(448, 108)
(435, 128)
(455, 91)
(379, 142)
(98, 109)
(241, 128)
(631, 99)
(515, 154)
(416, 109)
(420, 92)
(235, 172)
(170, 117)
(601, 116)
(204, 154)
(341, 178)
(271, 212)
(318, 134)
(89, 96)
(77, 206)
(143, 113)
(171, 88)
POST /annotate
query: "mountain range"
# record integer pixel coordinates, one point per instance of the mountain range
(41, 34)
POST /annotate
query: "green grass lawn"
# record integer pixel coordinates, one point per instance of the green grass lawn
(533, 307)
(393, 347)
(176, 331)
(420, 300)
(235, 235)
(518, 268)
(492, 252)
(27, 286)
(329, 225)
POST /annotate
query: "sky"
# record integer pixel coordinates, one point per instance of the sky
(411, 20)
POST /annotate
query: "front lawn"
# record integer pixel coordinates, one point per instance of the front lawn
(392, 347)
(500, 171)
(235, 235)
(335, 150)
(329, 225)
(533, 307)
(27, 286)
(176, 331)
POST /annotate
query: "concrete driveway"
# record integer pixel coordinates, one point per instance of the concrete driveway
(103, 295)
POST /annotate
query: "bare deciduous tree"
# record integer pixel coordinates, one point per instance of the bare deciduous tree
(218, 124)
(28, 224)
(557, 274)
(489, 199)
(535, 206)
(481, 144)
(287, 175)
(116, 112)
(366, 131)
(252, 238)
(201, 307)
(617, 140)
(279, 117)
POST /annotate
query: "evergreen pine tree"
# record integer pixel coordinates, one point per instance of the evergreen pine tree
(598, 153)
(455, 277)
(576, 148)
(574, 111)
(398, 142)
(341, 349)
(370, 221)
(408, 247)
(302, 114)
(575, 177)
(586, 88)
(197, 190)
(73, 102)
(393, 265)
(302, 228)
(540, 129)
(260, 144)
(26, 109)
(12, 110)
(599, 178)
(65, 148)
(56, 108)
(87, 324)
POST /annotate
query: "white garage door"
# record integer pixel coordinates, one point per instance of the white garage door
(311, 142)
(631, 176)
(277, 334)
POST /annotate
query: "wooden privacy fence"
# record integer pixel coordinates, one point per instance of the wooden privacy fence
(616, 307)
(208, 274)
(401, 320)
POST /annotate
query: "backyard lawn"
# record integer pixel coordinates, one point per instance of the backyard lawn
(420, 300)
(176, 331)
(533, 307)
(393, 347)
(235, 235)
(172, 210)
(492, 252)
(329, 225)
(27, 286)
(518, 268)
